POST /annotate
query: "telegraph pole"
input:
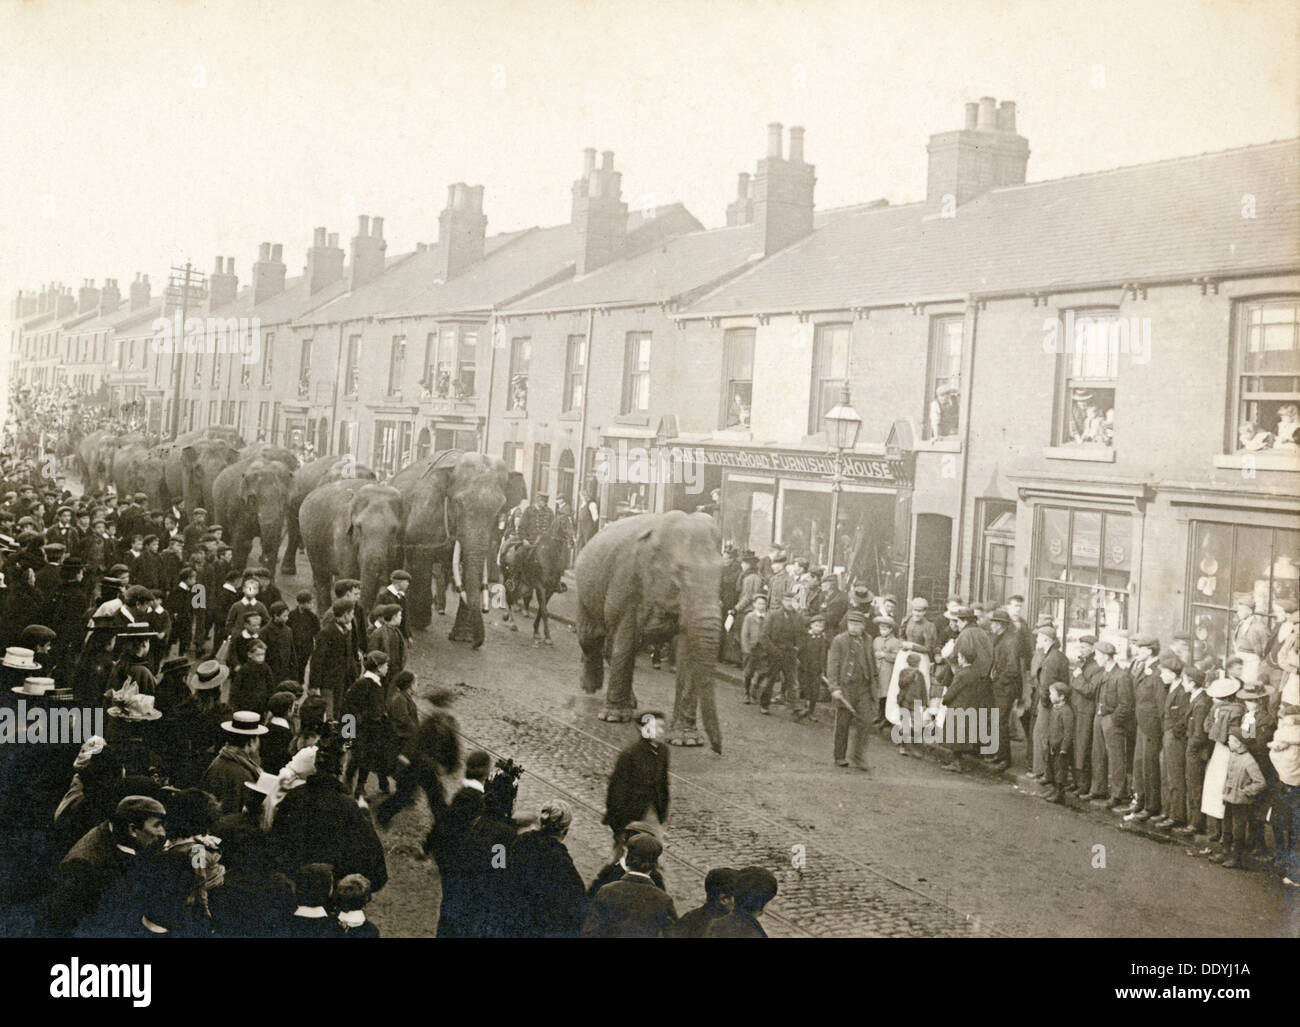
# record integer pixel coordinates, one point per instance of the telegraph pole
(179, 285)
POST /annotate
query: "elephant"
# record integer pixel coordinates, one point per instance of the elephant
(646, 579)
(96, 454)
(453, 497)
(170, 454)
(195, 467)
(251, 497)
(270, 452)
(137, 469)
(352, 528)
(305, 479)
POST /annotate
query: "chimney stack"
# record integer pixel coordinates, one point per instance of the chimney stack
(324, 261)
(63, 304)
(462, 229)
(599, 213)
(740, 211)
(110, 297)
(986, 154)
(140, 292)
(268, 273)
(87, 297)
(782, 192)
(367, 252)
(223, 286)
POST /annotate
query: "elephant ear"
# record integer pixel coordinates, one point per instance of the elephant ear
(248, 489)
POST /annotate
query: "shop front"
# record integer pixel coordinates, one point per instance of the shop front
(787, 498)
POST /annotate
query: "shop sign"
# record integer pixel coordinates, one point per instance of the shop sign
(794, 463)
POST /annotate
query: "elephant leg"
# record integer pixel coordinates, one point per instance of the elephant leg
(543, 600)
(592, 642)
(290, 564)
(439, 575)
(681, 729)
(620, 700)
(239, 551)
(420, 595)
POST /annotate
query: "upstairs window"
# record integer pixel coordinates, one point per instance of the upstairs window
(1091, 380)
(397, 365)
(737, 377)
(267, 358)
(1266, 379)
(521, 355)
(304, 368)
(943, 378)
(830, 371)
(636, 373)
(575, 369)
(353, 373)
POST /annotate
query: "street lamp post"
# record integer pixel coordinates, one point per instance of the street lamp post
(842, 427)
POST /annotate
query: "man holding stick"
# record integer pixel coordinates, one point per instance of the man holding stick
(850, 673)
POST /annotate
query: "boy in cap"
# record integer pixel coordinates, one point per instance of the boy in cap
(1060, 741)
(913, 700)
(1197, 751)
(752, 656)
(885, 648)
(813, 649)
(1173, 744)
(304, 626)
(755, 887)
(398, 583)
(719, 900)
(633, 907)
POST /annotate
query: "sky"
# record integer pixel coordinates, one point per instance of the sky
(141, 134)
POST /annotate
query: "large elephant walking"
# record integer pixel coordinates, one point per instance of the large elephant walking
(352, 528)
(96, 454)
(170, 453)
(453, 497)
(138, 469)
(251, 497)
(307, 478)
(646, 580)
(192, 470)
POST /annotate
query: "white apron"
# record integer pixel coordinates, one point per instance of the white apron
(891, 698)
(1216, 776)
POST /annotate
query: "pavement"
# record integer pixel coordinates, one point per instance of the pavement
(901, 851)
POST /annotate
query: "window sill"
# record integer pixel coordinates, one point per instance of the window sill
(570, 415)
(516, 415)
(641, 420)
(937, 446)
(1089, 454)
(1265, 460)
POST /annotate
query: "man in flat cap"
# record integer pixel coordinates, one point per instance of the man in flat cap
(1049, 667)
(850, 671)
(753, 889)
(638, 785)
(1085, 679)
(103, 855)
(1006, 680)
(1173, 746)
(1149, 691)
(1115, 707)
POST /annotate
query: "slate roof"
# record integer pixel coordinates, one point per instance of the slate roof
(1164, 220)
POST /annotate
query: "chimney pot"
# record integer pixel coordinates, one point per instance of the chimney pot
(988, 114)
(972, 115)
(376, 228)
(588, 161)
(774, 139)
(277, 252)
(230, 266)
(1007, 116)
(217, 270)
(333, 240)
(451, 196)
(318, 237)
(363, 224)
(593, 183)
(476, 199)
(264, 251)
(458, 196)
(742, 185)
(796, 144)
(607, 160)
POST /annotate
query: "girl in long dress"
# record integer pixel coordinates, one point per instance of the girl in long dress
(1223, 722)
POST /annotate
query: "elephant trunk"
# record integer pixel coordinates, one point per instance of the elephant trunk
(373, 559)
(474, 551)
(700, 622)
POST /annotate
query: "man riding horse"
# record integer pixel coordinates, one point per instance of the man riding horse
(530, 526)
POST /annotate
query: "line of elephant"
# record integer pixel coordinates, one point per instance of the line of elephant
(644, 579)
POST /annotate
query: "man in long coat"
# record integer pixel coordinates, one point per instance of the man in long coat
(850, 670)
(638, 786)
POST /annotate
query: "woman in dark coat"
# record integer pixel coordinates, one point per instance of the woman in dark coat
(474, 894)
(545, 895)
(964, 695)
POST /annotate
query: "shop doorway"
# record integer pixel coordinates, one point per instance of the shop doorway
(565, 475)
(933, 560)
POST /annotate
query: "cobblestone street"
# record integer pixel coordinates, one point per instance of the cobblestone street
(904, 851)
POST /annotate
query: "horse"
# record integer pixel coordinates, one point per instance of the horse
(540, 572)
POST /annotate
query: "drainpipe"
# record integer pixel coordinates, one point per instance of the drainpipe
(586, 380)
(334, 413)
(492, 376)
(973, 306)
